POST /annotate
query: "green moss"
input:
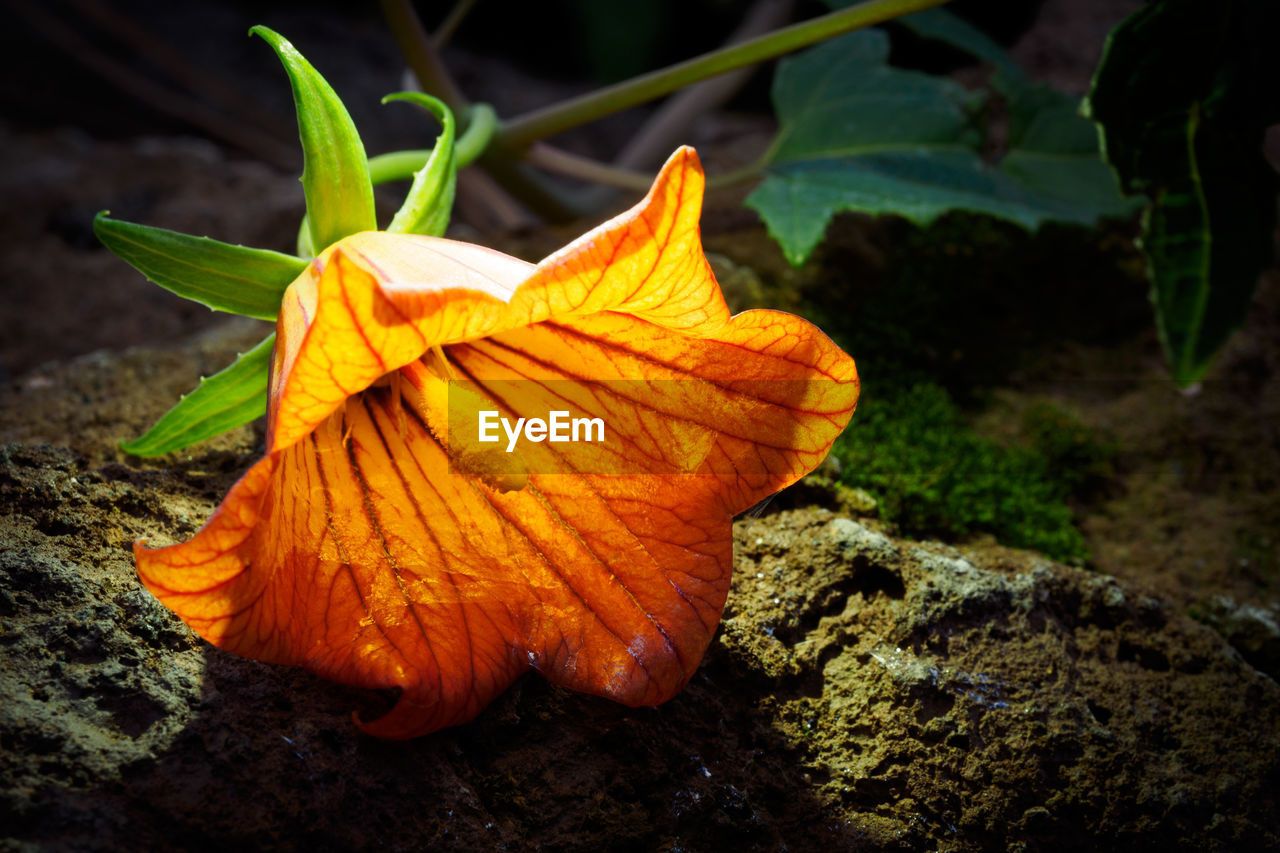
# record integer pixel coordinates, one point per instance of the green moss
(935, 477)
(939, 317)
(1074, 455)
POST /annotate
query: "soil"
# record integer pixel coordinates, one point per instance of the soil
(864, 691)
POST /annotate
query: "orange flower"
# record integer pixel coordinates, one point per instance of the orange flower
(380, 545)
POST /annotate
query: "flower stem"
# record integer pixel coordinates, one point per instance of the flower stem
(523, 130)
(450, 24)
(584, 168)
(401, 165)
(421, 55)
(481, 123)
(397, 165)
(669, 125)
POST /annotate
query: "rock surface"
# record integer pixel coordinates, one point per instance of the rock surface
(863, 693)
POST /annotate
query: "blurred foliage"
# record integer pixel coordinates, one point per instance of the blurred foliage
(1184, 95)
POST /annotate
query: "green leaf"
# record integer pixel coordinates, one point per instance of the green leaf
(941, 25)
(228, 278)
(1054, 153)
(1052, 148)
(335, 172)
(798, 199)
(229, 398)
(1183, 96)
(427, 208)
(860, 135)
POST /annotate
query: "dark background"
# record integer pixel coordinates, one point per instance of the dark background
(171, 115)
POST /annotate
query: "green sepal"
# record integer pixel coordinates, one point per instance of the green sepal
(404, 165)
(305, 249)
(428, 205)
(335, 172)
(231, 397)
(235, 279)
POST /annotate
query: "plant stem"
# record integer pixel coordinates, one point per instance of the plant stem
(401, 165)
(481, 124)
(670, 123)
(728, 179)
(450, 24)
(434, 78)
(397, 165)
(584, 168)
(421, 56)
(522, 130)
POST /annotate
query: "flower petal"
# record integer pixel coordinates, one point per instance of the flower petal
(371, 548)
(361, 554)
(371, 305)
(381, 300)
(647, 261)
